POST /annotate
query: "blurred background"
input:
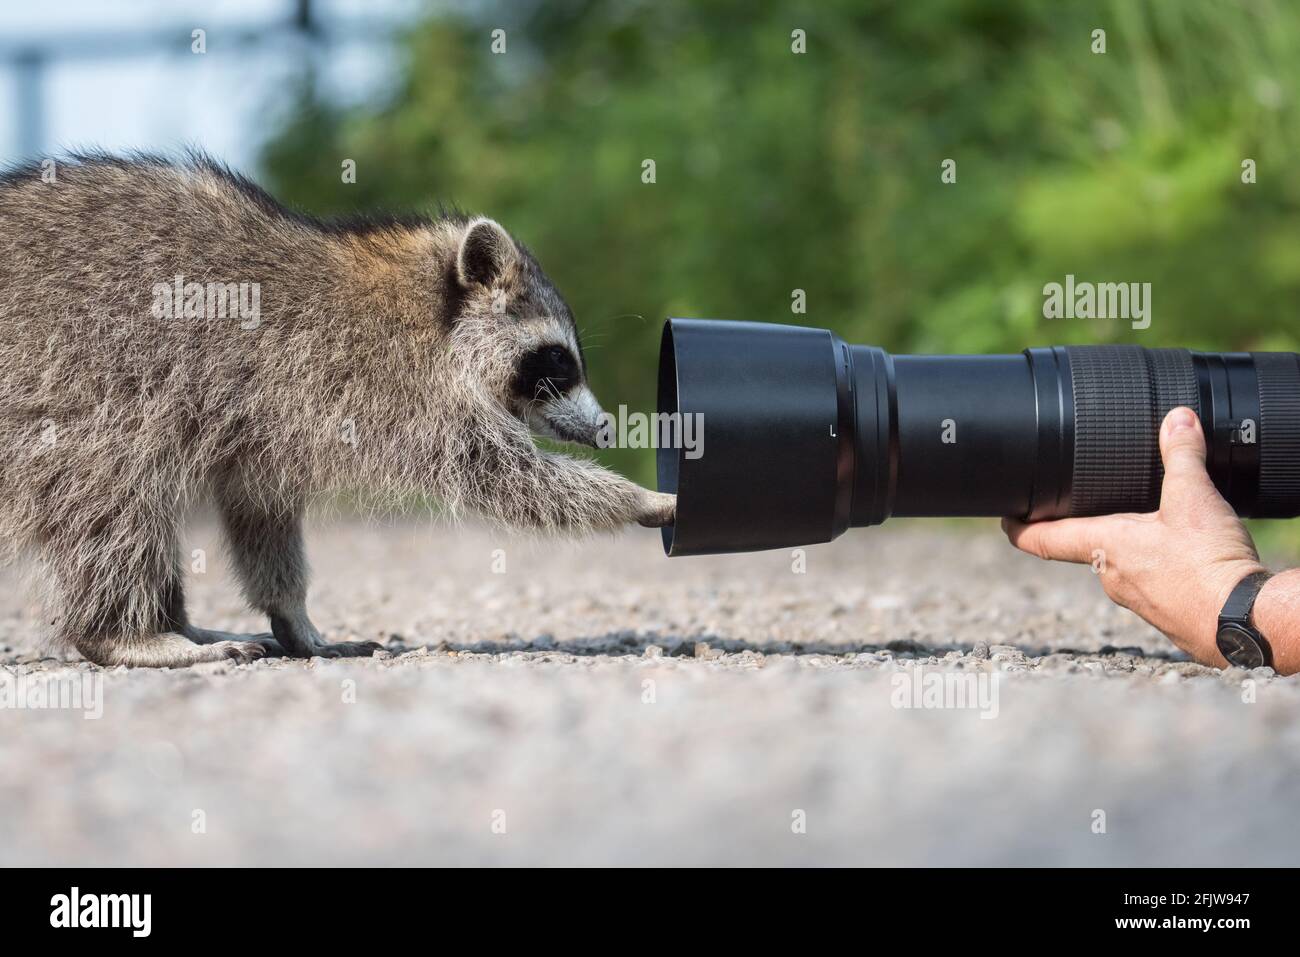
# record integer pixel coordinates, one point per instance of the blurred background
(775, 170)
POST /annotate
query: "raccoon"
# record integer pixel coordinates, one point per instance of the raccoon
(172, 334)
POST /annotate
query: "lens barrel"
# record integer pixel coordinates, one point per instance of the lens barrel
(804, 435)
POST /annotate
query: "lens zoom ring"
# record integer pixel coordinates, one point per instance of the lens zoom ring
(1121, 394)
(1279, 434)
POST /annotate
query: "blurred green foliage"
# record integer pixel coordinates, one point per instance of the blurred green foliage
(820, 171)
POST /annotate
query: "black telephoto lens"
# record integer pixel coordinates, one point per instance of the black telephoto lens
(801, 436)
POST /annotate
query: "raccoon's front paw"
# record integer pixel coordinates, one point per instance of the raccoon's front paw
(657, 510)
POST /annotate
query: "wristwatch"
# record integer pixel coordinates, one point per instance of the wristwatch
(1239, 641)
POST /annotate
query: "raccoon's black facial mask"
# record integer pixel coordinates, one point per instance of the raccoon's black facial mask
(550, 389)
(546, 371)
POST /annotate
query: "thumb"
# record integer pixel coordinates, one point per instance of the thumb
(1182, 449)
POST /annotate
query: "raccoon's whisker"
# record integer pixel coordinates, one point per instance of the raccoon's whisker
(549, 386)
(626, 315)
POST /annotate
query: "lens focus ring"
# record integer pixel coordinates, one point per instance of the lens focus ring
(1121, 395)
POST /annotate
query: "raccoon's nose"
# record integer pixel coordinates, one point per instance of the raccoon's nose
(593, 415)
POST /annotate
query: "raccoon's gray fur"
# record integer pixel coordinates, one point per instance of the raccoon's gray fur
(401, 358)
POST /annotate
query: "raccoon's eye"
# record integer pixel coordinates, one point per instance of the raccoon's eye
(560, 359)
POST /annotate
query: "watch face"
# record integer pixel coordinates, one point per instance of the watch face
(1240, 647)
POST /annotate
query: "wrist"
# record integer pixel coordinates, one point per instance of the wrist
(1216, 587)
(1276, 611)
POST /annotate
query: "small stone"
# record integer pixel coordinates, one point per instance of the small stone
(981, 649)
(653, 651)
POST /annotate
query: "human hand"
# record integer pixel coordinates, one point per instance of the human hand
(1174, 567)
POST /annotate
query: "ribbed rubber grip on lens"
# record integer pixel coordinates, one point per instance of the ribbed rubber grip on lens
(1121, 395)
(1279, 434)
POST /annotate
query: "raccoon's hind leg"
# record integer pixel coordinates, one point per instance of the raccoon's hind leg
(270, 560)
(178, 621)
(131, 612)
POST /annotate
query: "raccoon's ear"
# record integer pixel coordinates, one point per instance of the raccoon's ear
(486, 251)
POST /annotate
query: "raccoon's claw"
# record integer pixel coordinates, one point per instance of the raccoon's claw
(272, 647)
(241, 651)
(660, 509)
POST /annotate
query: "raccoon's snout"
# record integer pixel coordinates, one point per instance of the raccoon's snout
(575, 417)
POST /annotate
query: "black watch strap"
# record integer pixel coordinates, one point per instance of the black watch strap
(1239, 641)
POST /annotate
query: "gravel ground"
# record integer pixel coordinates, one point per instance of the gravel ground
(597, 703)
